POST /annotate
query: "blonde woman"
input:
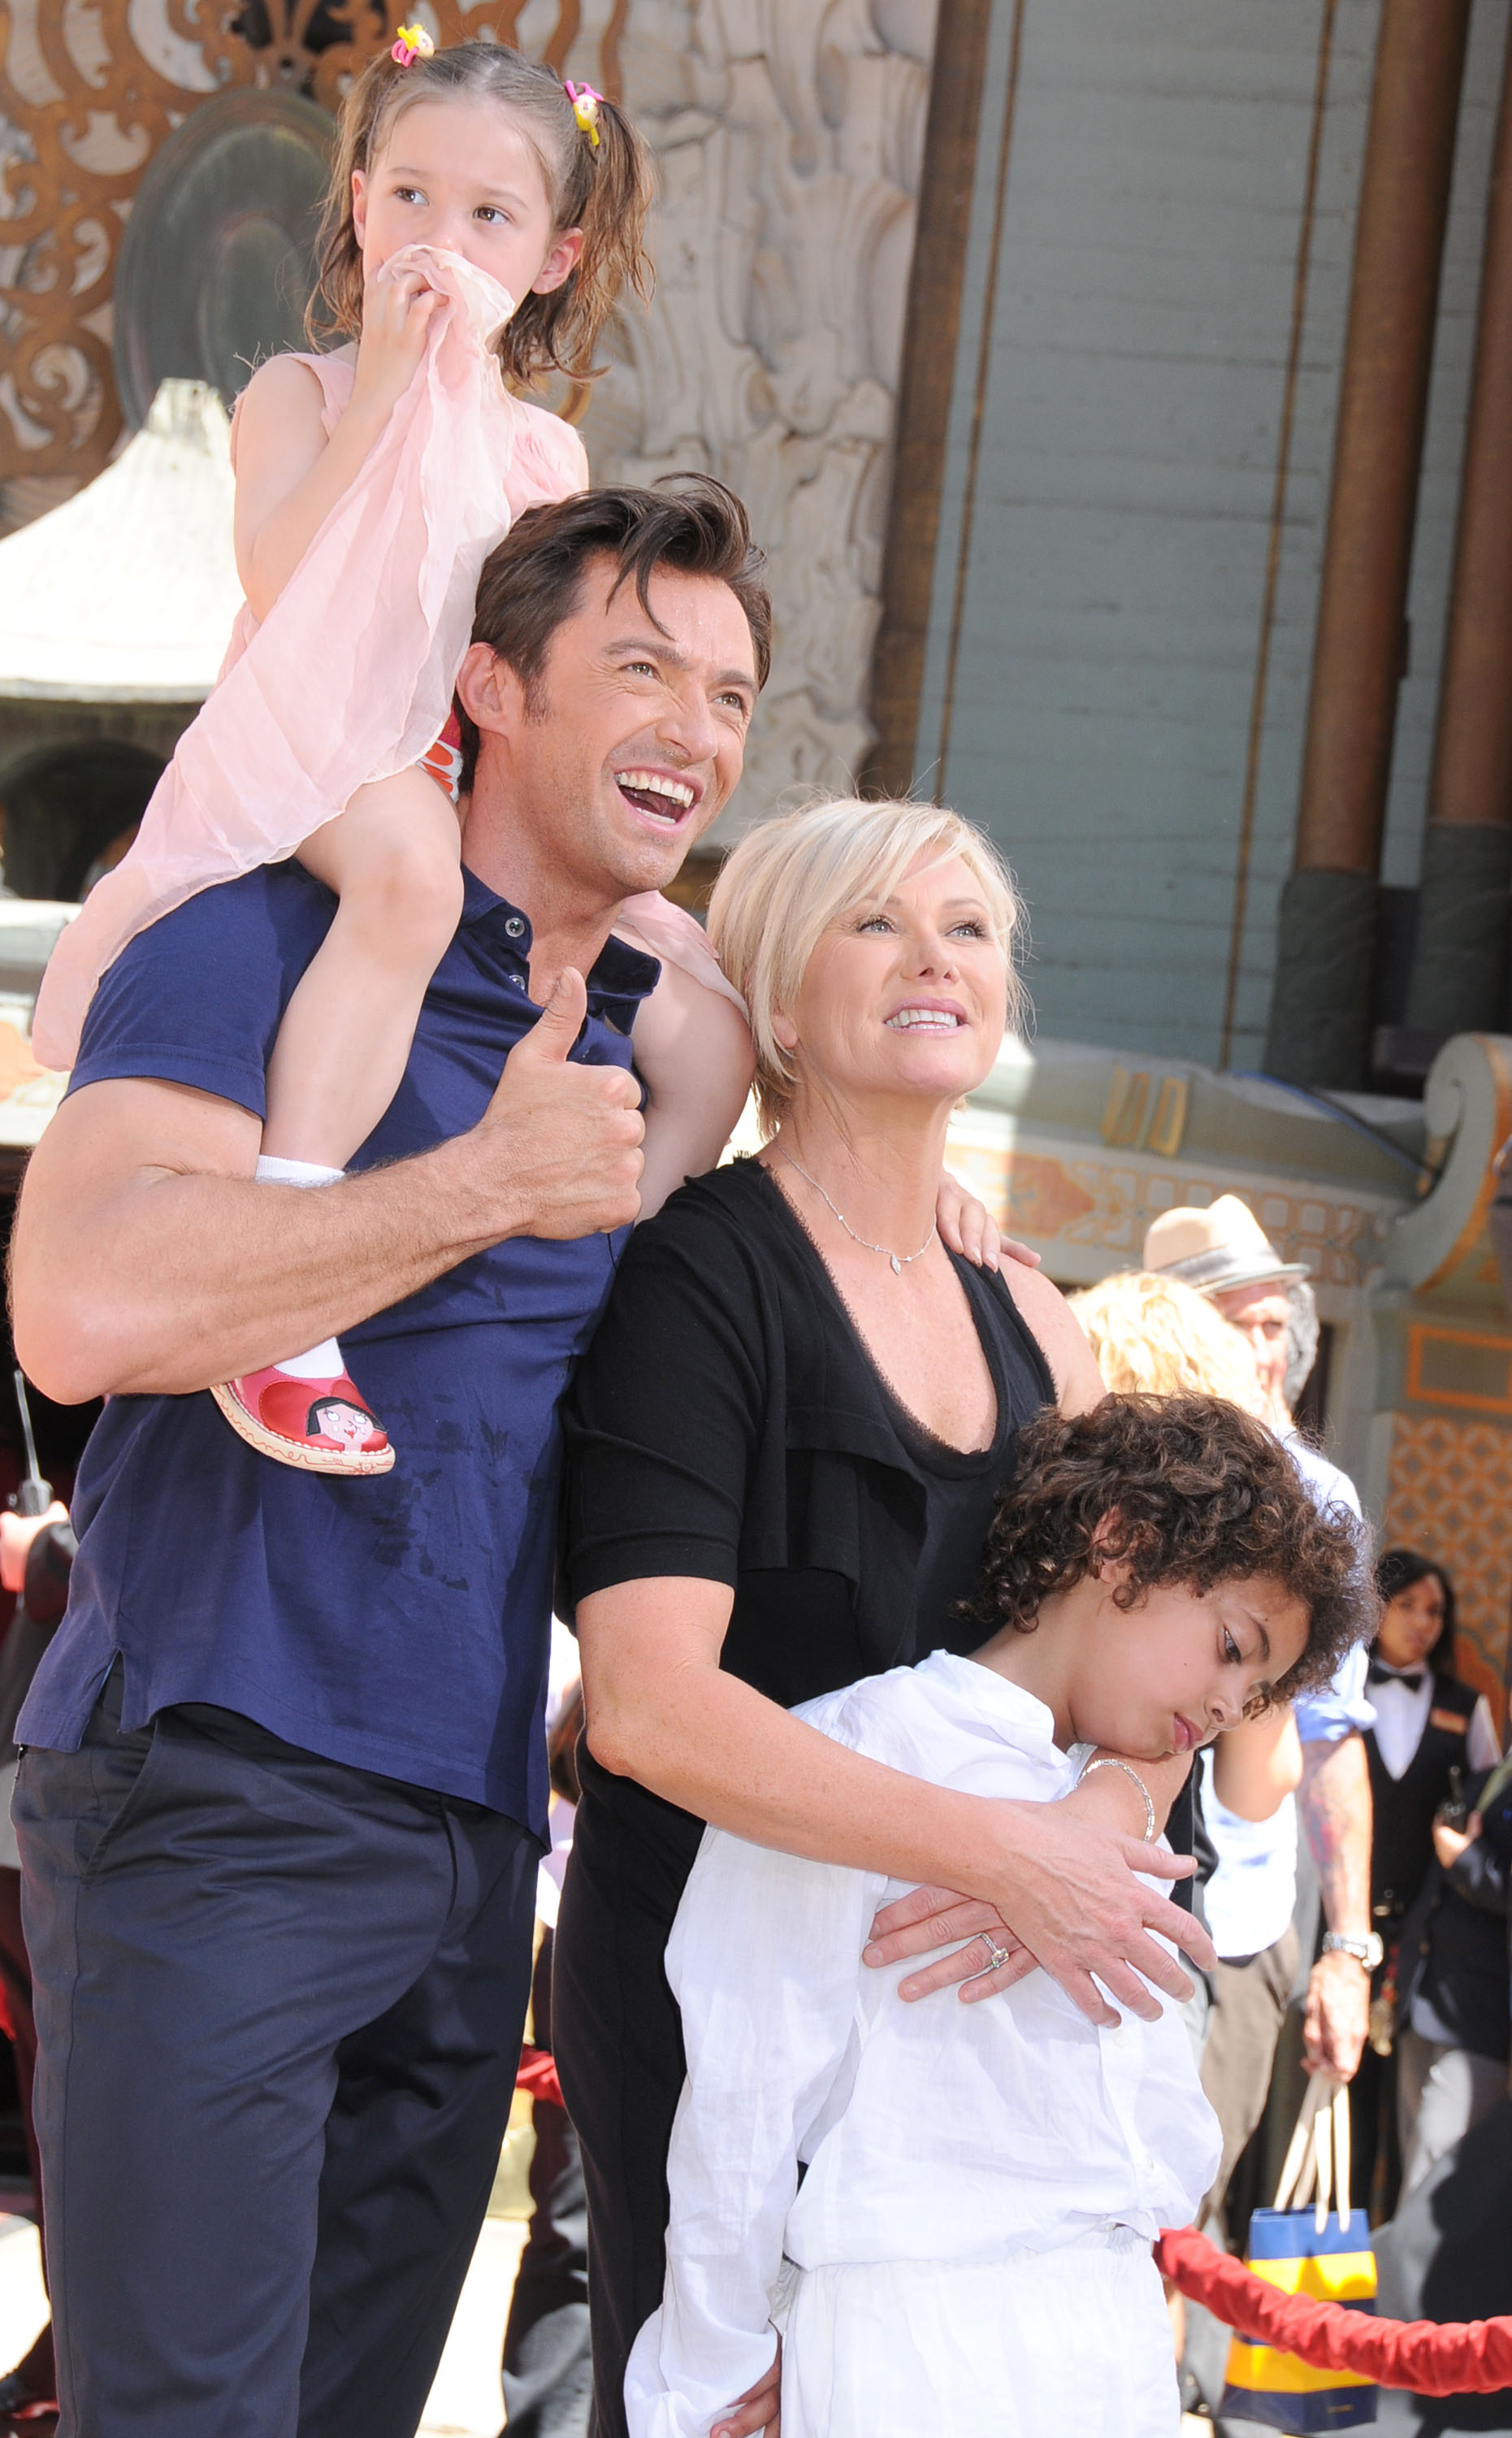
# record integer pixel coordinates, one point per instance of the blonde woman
(784, 1446)
(1155, 1335)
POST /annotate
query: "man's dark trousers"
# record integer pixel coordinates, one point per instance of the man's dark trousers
(279, 2006)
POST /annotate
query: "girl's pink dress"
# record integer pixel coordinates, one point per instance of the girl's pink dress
(350, 675)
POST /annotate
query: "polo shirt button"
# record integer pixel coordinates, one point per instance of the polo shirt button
(515, 926)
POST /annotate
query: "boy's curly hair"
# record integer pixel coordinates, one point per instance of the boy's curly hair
(1179, 1490)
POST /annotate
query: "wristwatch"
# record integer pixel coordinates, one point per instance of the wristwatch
(1367, 1951)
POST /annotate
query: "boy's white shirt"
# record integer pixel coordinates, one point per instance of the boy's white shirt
(932, 2132)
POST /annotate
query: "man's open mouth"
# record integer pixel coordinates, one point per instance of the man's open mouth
(657, 794)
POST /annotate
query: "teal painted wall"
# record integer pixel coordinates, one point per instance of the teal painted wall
(1095, 624)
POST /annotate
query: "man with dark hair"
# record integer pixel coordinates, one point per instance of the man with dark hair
(537, 576)
(284, 1777)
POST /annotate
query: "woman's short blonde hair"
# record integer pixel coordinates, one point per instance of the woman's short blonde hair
(1155, 1336)
(790, 879)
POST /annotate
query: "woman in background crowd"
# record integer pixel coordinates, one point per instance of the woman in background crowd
(1432, 1732)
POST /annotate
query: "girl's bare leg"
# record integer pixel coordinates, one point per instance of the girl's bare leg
(393, 859)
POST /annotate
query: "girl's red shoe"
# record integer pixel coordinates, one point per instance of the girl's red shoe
(319, 1426)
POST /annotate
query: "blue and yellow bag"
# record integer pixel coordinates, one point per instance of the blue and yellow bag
(1328, 2265)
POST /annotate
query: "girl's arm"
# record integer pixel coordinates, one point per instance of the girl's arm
(288, 475)
(1258, 1765)
(695, 1054)
(753, 1929)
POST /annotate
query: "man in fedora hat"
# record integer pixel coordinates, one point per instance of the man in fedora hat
(1225, 1253)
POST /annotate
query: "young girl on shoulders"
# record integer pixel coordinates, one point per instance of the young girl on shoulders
(481, 222)
(948, 2212)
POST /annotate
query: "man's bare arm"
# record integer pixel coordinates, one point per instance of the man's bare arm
(1335, 1799)
(1336, 1812)
(145, 1259)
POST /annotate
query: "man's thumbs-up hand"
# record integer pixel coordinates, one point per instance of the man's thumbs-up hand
(550, 1040)
(567, 1137)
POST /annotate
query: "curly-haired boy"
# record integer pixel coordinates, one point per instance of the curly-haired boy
(970, 2246)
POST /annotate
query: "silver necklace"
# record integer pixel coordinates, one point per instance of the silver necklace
(900, 1261)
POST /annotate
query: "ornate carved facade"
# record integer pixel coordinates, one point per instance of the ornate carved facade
(790, 137)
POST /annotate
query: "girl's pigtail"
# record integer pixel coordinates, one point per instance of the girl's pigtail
(613, 222)
(607, 191)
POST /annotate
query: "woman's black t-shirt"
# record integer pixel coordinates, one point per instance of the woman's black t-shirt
(727, 1422)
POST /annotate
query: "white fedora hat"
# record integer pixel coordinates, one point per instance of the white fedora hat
(1218, 1248)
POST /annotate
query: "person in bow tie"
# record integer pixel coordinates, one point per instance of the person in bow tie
(1432, 1731)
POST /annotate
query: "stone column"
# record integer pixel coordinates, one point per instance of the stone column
(1319, 1009)
(1458, 981)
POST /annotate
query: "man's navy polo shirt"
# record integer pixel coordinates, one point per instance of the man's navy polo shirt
(398, 1624)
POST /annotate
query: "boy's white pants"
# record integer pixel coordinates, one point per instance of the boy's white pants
(1074, 2342)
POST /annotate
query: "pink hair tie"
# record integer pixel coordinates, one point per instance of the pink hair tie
(585, 103)
(413, 43)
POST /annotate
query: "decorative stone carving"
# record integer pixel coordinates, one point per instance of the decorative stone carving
(87, 92)
(1439, 1245)
(790, 138)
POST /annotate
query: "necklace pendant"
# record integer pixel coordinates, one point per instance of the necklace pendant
(897, 1265)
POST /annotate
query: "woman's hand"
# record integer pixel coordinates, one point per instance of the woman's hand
(760, 2408)
(1077, 1909)
(928, 1919)
(967, 1228)
(399, 306)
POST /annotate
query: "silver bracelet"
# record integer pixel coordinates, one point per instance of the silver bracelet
(1108, 1762)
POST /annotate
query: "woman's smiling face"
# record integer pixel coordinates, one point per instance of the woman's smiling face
(906, 997)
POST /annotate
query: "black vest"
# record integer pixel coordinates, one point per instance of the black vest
(1402, 1844)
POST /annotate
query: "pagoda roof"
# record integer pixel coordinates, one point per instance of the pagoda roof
(127, 593)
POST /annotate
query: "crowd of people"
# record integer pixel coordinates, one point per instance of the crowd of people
(957, 1662)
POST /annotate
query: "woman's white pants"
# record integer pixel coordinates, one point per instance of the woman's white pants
(1072, 2343)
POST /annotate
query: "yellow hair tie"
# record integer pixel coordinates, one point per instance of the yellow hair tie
(585, 103)
(413, 43)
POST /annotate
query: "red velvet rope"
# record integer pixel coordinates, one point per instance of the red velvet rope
(1473, 2358)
